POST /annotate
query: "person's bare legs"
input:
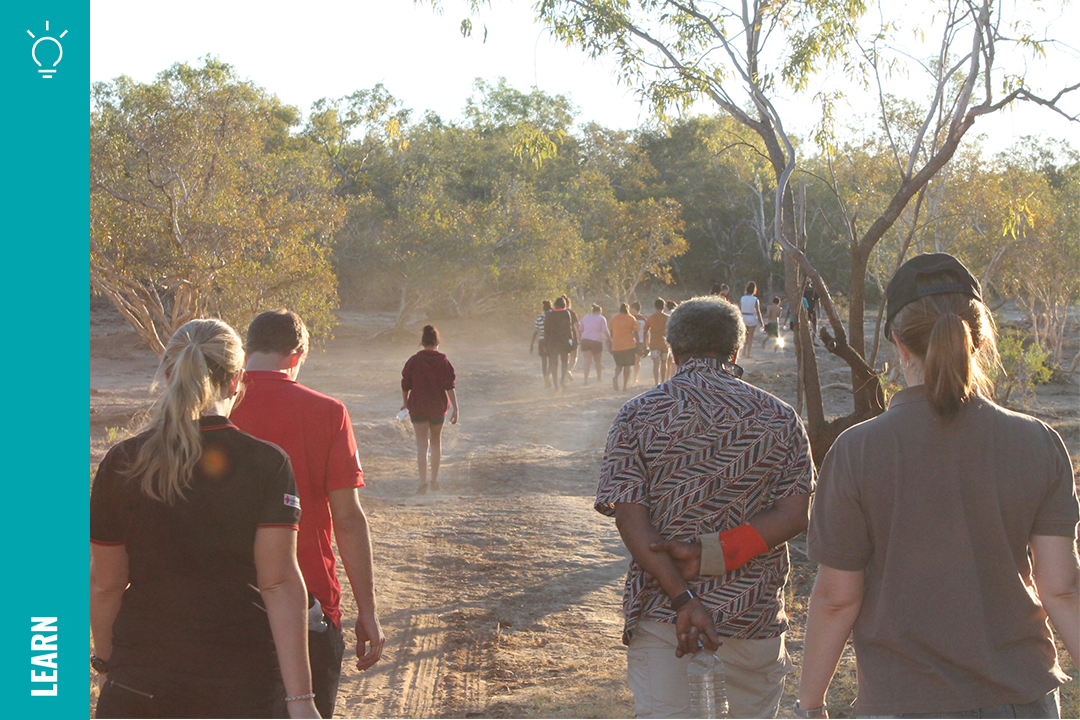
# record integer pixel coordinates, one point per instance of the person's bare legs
(749, 345)
(422, 430)
(657, 371)
(596, 361)
(625, 375)
(436, 454)
(588, 364)
(553, 363)
(553, 369)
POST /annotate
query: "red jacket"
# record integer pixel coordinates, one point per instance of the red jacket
(427, 376)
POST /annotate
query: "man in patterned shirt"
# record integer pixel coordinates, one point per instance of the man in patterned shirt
(705, 457)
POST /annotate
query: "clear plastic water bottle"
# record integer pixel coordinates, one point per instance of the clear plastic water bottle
(708, 687)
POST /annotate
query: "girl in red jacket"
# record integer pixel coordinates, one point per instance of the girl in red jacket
(427, 390)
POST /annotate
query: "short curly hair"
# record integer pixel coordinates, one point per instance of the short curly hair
(707, 325)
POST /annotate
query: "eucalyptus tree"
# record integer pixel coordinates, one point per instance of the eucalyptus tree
(204, 202)
(742, 56)
(353, 130)
(462, 224)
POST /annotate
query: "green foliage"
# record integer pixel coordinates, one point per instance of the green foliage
(505, 209)
(353, 131)
(203, 203)
(1023, 366)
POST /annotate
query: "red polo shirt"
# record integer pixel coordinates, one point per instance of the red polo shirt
(316, 433)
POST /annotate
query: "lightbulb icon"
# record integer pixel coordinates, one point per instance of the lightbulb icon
(46, 72)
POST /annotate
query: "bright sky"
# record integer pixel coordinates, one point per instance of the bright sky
(303, 51)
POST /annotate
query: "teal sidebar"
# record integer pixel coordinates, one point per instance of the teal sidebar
(43, 634)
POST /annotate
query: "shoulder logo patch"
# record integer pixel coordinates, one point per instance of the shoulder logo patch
(292, 501)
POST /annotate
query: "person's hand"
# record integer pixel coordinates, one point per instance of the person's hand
(369, 641)
(403, 406)
(530, 349)
(101, 679)
(303, 709)
(695, 628)
(686, 555)
(453, 417)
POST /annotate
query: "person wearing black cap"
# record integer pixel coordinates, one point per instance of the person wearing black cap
(944, 529)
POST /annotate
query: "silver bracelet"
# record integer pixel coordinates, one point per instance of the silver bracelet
(309, 696)
(812, 713)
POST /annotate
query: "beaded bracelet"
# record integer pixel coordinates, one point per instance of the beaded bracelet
(299, 697)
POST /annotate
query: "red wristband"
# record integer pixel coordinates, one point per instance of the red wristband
(740, 545)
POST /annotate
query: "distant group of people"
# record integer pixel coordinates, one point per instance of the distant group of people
(559, 336)
(944, 529)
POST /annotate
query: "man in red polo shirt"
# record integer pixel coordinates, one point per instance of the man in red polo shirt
(316, 432)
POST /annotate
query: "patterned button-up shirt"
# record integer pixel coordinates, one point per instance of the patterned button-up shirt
(706, 452)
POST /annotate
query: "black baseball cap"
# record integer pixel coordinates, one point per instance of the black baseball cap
(905, 286)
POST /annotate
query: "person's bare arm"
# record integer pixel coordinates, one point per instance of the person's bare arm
(285, 598)
(453, 406)
(694, 623)
(786, 518)
(354, 546)
(834, 607)
(1056, 571)
(108, 581)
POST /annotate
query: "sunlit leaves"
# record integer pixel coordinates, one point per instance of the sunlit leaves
(203, 203)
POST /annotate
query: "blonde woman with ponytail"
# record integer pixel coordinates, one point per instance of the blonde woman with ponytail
(197, 606)
(944, 529)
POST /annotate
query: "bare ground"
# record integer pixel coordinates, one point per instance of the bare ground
(500, 594)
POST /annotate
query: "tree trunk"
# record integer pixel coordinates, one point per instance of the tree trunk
(857, 300)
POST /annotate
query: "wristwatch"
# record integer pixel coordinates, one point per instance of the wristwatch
(681, 599)
(99, 665)
(821, 712)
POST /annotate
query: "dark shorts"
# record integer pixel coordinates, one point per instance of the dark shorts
(592, 346)
(555, 348)
(624, 358)
(772, 329)
(541, 347)
(326, 650)
(432, 419)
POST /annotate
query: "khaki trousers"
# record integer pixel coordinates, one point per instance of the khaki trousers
(755, 671)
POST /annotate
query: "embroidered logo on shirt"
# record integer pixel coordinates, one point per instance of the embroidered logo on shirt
(292, 501)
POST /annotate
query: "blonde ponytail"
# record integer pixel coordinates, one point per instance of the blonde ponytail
(954, 336)
(200, 361)
(948, 364)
